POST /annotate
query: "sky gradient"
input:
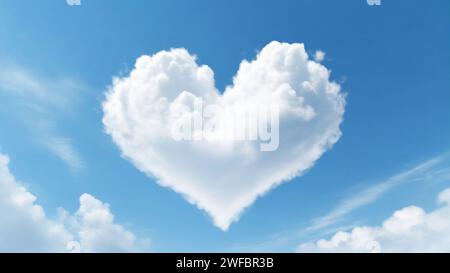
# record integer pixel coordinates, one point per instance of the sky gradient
(392, 61)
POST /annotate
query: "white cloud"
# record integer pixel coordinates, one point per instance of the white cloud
(24, 226)
(319, 56)
(96, 231)
(410, 229)
(224, 177)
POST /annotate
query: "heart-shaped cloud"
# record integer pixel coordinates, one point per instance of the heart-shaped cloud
(223, 176)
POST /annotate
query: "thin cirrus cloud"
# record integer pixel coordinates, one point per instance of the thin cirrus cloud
(224, 178)
(410, 229)
(36, 90)
(24, 226)
(371, 194)
(41, 101)
(63, 148)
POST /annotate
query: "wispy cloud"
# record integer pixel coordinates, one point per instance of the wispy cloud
(372, 193)
(35, 89)
(63, 149)
(40, 101)
(19, 82)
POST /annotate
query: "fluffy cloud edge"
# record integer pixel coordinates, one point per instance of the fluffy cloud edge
(410, 229)
(24, 226)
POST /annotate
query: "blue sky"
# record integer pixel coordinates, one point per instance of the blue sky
(391, 60)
